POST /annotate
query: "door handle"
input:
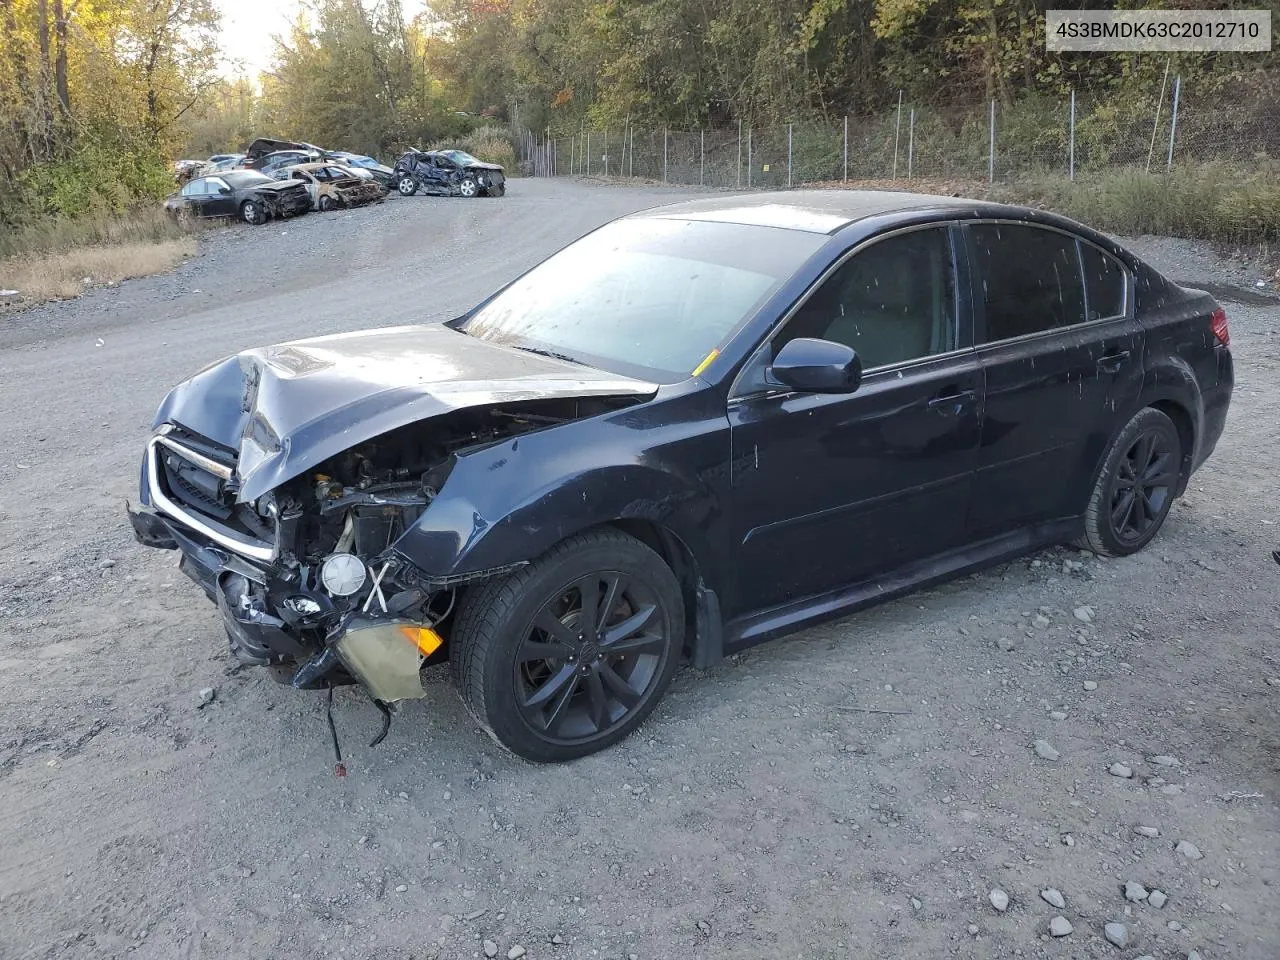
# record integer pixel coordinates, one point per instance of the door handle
(1111, 362)
(950, 403)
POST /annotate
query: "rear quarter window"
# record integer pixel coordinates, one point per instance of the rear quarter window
(1105, 283)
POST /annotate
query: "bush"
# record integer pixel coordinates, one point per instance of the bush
(99, 180)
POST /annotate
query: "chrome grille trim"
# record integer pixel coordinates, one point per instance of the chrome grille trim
(236, 542)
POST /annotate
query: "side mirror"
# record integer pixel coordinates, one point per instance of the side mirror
(817, 366)
(224, 190)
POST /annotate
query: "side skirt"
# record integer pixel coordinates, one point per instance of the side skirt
(755, 628)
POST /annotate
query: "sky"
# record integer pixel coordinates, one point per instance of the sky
(249, 25)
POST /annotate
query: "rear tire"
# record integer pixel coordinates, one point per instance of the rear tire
(407, 185)
(1135, 487)
(326, 204)
(538, 679)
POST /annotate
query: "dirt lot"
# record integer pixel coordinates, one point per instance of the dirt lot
(758, 814)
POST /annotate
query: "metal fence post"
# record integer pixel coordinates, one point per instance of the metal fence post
(588, 153)
(1155, 127)
(739, 184)
(788, 156)
(604, 158)
(911, 142)
(897, 133)
(1071, 139)
(845, 178)
(1173, 123)
(991, 149)
(631, 153)
(748, 158)
(664, 154)
(702, 155)
(572, 168)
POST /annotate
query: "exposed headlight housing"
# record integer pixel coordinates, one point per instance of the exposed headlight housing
(343, 574)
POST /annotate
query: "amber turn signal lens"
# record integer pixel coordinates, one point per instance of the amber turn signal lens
(424, 638)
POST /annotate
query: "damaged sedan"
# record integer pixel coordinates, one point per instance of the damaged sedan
(252, 196)
(332, 186)
(696, 428)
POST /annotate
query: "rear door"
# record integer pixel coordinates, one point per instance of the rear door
(1062, 358)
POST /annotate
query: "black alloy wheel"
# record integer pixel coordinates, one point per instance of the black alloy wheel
(589, 657)
(570, 653)
(1136, 486)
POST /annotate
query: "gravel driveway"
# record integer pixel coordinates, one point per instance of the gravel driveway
(857, 791)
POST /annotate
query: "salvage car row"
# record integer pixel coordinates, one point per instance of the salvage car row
(277, 179)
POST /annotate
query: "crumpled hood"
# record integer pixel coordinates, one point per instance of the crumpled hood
(289, 407)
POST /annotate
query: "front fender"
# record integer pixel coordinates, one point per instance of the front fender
(513, 501)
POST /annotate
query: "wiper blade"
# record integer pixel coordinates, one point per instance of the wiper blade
(553, 355)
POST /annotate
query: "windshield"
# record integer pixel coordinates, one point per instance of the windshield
(458, 156)
(649, 298)
(245, 178)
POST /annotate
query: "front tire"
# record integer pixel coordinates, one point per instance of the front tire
(1135, 487)
(570, 654)
(469, 188)
(252, 211)
(326, 204)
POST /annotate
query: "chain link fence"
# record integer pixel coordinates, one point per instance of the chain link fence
(1037, 137)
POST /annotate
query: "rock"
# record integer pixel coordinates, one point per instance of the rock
(1194, 955)
(1044, 750)
(402, 888)
(1121, 770)
(1004, 644)
(1165, 761)
(1157, 899)
(516, 952)
(916, 904)
(973, 929)
(1091, 685)
(1189, 850)
(490, 948)
(1068, 840)
(1060, 927)
(1083, 613)
(1151, 832)
(1117, 934)
(1135, 892)
(106, 564)
(557, 939)
(1041, 621)
(1053, 898)
(1175, 926)
(1057, 715)
(999, 899)
(205, 696)
(1171, 789)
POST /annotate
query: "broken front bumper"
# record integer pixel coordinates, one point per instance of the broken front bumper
(385, 655)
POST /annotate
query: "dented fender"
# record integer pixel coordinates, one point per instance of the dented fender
(510, 502)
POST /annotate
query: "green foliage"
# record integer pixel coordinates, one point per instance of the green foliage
(98, 180)
(1214, 201)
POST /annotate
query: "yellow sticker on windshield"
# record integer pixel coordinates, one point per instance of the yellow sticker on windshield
(705, 363)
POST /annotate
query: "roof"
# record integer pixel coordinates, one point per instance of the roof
(813, 211)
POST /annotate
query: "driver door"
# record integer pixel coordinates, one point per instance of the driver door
(833, 489)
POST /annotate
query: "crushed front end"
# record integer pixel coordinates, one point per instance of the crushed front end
(305, 577)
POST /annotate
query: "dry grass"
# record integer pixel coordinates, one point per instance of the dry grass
(62, 275)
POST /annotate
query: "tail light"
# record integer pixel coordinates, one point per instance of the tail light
(1219, 327)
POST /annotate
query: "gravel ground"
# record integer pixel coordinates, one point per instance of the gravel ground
(875, 787)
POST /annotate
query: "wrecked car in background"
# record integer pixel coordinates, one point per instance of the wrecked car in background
(697, 428)
(252, 196)
(332, 186)
(448, 173)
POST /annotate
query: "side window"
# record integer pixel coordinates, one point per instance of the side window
(193, 189)
(215, 185)
(1104, 281)
(1030, 279)
(893, 301)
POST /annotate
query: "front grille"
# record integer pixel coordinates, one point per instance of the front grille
(192, 484)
